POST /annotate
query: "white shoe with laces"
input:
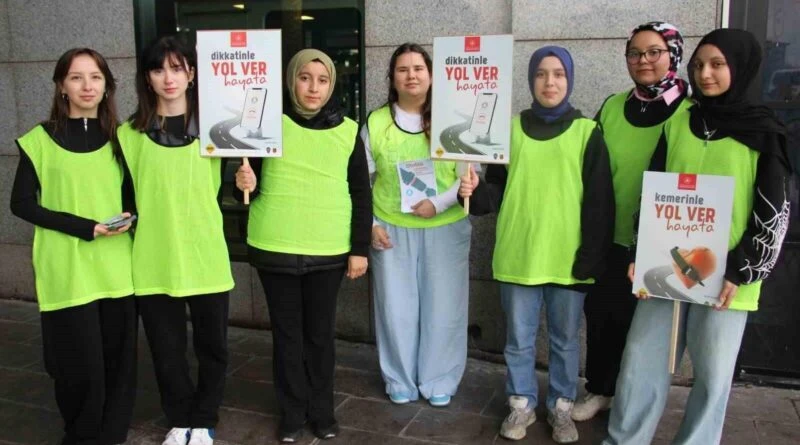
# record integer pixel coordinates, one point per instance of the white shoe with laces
(515, 426)
(202, 436)
(589, 406)
(564, 430)
(177, 436)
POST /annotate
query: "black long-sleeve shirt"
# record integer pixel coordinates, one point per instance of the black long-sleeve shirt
(597, 208)
(755, 255)
(78, 136)
(357, 179)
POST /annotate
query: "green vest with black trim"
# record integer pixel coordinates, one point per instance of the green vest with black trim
(304, 206)
(629, 149)
(70, 271)
(179, 248)
(390, 146)
(539, 223)
(687, 153)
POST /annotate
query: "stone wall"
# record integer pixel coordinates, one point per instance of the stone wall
(33, 33)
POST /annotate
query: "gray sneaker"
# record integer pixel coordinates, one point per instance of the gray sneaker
(560, 419)
(515, 426)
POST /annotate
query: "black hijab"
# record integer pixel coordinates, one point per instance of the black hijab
(755, 126)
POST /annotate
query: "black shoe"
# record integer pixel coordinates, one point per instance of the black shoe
(291, 436)
(328, 432)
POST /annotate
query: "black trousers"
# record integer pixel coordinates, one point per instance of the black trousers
(90, 352)
(164, 319)
(302, 311)
(609, 308)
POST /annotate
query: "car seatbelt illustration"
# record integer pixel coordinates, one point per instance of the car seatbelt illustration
(411, 180)
(685, 268)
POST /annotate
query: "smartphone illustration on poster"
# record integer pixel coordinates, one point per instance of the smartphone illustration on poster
(253, 110)
(483, 113)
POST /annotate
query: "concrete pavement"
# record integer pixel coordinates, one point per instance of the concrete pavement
(28, 413)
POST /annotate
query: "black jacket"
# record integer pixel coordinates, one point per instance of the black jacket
(755, 255)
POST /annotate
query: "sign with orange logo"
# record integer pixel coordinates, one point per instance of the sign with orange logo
(240, 90)
(471, 109)
(682, 244)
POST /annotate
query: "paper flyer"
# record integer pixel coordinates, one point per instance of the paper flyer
(417, 182)
(471, 110)
(240, 87)
(682, 245)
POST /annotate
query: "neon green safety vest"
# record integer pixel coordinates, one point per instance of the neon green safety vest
(687, 153)
(304, 206)
(391, 145)
(629, 149)
(179, 248)
(539, 223)
(71, 271)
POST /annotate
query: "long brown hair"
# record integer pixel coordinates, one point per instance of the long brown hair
(107, 109)
(166, 48)
(393, 95)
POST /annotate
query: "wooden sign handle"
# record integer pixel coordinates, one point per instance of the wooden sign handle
(466, 200)
(673, 338)
(246, 192)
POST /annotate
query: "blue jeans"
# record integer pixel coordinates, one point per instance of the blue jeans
(712, 338)
(421, 288)
(522, 305)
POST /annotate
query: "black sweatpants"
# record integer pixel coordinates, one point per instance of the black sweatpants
(302, 311)
(90, 352)
(164, 319)
(609, 308)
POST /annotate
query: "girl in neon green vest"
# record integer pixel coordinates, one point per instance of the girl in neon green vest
(632, 122)
(179, 253)
(554, 228)
(420, 260)
(309, 225)
(723, 134)
(71, 176)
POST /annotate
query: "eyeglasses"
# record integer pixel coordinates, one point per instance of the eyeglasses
(651, 55)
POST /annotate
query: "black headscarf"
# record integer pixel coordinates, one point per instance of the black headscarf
(755, 126)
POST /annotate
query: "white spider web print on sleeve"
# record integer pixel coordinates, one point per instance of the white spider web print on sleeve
(768, 241)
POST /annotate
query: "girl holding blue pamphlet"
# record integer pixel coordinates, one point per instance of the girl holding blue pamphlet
(420, 251)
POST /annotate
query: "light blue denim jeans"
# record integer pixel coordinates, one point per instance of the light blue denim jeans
(564, 309)
(712, 338)
(421, 290)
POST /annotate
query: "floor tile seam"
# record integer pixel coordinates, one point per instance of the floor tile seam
(403, 430)
(24, 368)
(759, 418)
(34, 319)
(230, 373)
(488, 403)
(796, 404)
(341, 403)
(416, 439)
(28, 405)
(421, 406)
(247, 411)
(758, 433)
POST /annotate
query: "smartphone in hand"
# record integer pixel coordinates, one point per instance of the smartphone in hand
(118, 222)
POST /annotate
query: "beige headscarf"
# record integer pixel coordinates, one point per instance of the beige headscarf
(297, 63)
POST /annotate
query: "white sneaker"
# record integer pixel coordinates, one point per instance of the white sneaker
(515, 426)
(564, 430)
(202, 436)
(590, 406)
(177, 436)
